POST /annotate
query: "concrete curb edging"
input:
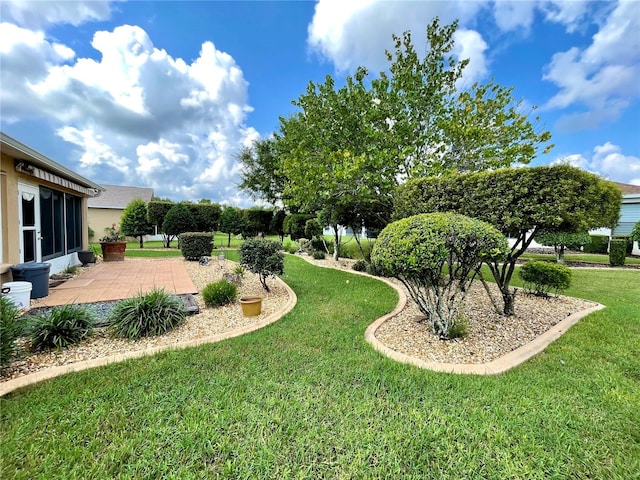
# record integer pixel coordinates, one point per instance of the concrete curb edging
(499, 365)
(11, 385)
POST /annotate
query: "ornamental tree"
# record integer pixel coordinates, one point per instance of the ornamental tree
(263, 257)
(563, 240)
(436, 256)
(519, 202)
(179, 219)
(231, 222)
(156, 212)
(134, 222)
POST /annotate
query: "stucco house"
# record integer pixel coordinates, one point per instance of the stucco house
(43, 209)
(107, 208)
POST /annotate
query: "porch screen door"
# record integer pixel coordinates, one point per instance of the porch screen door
(29, 215)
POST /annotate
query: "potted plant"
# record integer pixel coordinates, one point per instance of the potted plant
(113, 244)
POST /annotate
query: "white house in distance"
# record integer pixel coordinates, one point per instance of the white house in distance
(108, 207)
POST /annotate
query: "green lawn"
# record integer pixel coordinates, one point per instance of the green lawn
(307, 397)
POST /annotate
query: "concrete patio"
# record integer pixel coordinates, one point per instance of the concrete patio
(107, 281)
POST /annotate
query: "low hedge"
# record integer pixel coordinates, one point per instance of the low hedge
(598, 244)
(195, 245)
(627, 239)
(543, 277)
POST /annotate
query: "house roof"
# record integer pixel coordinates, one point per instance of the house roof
(119, 196)
(627, 189)
(19, 151)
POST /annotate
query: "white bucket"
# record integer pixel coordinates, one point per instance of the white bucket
(18, 293)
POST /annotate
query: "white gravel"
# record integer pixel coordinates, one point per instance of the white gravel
(489, 335)
(208, 322)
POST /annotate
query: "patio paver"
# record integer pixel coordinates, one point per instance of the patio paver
(109, 281)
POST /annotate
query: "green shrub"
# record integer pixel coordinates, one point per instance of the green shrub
(62, 327)
(195, 245)
(318, 255)
(542, 277)
(350, 249)
(434, 256)
(9, 329)
(153, 313)
(219, 293)
(563, 240)
(617, 251)
(321, 245)
(290, 246)
(312, 228)
(635, 233)
(360, 266)
(628, 240)
(597, 244)
(263, 257)
(177, 220)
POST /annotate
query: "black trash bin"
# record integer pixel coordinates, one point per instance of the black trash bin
(36, 273)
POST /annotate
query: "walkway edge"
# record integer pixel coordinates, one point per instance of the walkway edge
(494, 367)
(49, 373)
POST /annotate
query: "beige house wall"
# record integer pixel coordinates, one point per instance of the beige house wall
(9, 211)
(101, 218)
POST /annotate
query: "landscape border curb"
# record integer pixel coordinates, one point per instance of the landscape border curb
(49, 373)
(499, 365)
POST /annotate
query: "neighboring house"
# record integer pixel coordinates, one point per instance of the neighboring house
(43, 209)
(107, 208)
(630, 210)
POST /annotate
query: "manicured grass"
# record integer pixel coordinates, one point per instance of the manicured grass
(131, 252)
(584, 257)
(307, 397)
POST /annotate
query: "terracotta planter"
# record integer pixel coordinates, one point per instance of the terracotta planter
(251, 306)
(86, 257)
(113, 251)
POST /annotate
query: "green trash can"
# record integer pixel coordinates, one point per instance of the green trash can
(36, 273)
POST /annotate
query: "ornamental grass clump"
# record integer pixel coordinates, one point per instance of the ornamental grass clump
(9, 330)
(147, 314)
(219, 293)
(436, 256)
(544, 277)
(62, 327)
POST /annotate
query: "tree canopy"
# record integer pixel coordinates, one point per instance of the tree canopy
(348, 147)
(519, 202)
(134, 222)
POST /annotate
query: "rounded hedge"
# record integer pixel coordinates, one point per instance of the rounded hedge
(542, 277)
(413, 246)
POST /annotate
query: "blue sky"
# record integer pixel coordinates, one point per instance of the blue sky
(164, 94)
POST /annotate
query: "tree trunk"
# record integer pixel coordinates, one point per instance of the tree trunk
(229, 241)
(560, 255)
(509, 301)
(336, 243)
(141, 242)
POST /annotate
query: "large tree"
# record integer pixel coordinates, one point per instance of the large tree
(519, 202)
(134, 222)
(262, 177)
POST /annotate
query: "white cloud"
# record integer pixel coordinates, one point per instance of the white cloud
(37, 14)
(608, 161)
(602, 77)
(470, 45)
(136, 115)
(358, 32)
(355, 33)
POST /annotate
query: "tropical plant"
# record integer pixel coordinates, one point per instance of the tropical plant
(63, 326)
(146, 314)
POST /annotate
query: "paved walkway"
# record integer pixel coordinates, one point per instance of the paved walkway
(117, 280)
